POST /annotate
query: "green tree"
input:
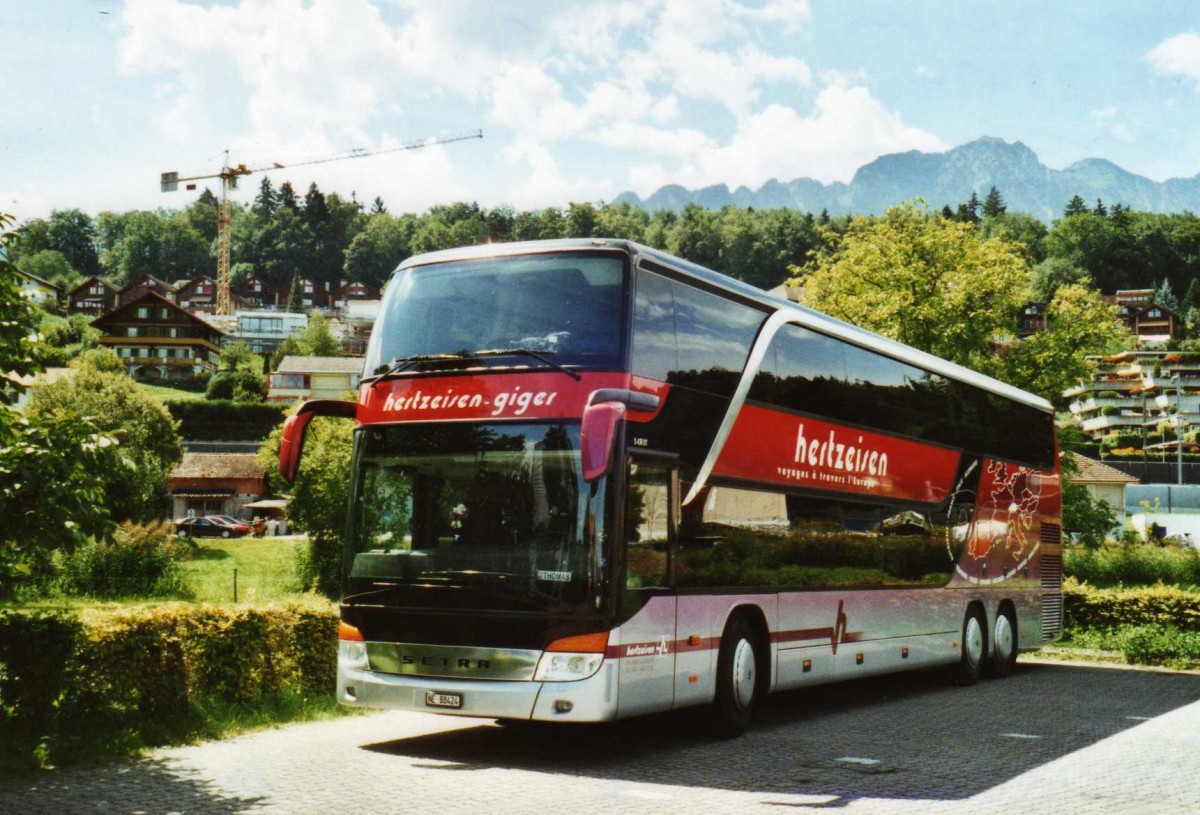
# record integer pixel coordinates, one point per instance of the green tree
(51, 492)
(993, 203)
(320, 496)
(317, 338)
(295, 301)
(167, 247)
(237, 356)
(1079, 323)
(73, 233)
(1018, 227)
(1163, 296)
(376, 251)
(1086, 519)
(136, 489)
(927, 282)
(239, 385)
(1075, 206)
(581, 220)
(1054, 272)
(52, 266)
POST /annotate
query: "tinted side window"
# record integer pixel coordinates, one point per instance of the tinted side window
(689, 337)
(654, 353)
(714, 336)
(738, 537)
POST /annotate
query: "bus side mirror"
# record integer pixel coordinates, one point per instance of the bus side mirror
(596, 436)
(291, 445)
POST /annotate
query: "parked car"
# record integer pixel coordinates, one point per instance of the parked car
(241, 527)
(205, 528)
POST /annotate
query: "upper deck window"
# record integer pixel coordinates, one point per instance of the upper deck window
(564, 305)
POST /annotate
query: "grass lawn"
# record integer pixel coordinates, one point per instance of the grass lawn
(163, 394)
(266, 569)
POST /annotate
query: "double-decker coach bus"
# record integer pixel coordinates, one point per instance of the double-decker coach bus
(592, 480)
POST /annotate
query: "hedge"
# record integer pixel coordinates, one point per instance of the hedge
(222, 420)
(1086, 607)
(145, 674)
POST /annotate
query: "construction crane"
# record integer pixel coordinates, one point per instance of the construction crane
(230, 174)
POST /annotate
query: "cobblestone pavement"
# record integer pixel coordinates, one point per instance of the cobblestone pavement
(1052, 738)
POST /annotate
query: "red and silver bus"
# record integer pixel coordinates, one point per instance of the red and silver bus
(592, 480)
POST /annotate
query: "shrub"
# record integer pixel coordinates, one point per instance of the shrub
(1135, 565)
(139, 561)
(229, 384)
(226, 420)
(1086, 607)
(141, 676)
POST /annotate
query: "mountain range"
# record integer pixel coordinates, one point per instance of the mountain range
(939, 179)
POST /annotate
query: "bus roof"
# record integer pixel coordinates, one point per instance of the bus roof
(807, 317)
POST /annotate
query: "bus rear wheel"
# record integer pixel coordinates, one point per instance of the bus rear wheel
(737, 679)
(973, 650)
(1003, 659)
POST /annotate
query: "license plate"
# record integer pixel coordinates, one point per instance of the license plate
(435, 699)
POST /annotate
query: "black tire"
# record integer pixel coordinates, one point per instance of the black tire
(183, 533)
(1003, 659)
(973, 647)
(225, 533)
(738, 679)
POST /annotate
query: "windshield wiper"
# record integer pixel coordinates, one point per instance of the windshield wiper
(397, 366)
(497, 580)
(528, 352)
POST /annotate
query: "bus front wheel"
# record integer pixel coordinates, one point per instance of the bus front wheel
(973, 649)
(737, 679)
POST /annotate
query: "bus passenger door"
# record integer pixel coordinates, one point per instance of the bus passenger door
(647, 644)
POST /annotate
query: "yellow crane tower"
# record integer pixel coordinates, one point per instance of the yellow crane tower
(229, 180)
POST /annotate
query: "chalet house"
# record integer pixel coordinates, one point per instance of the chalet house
(216, 484)
(198, 295)
(1031, 320)
(314, 378)
(1154, 325)
(93, 296)
(311, 295)
(257, 294)
(136, 288)
(39, 291)
(342, 296)
(158, 339)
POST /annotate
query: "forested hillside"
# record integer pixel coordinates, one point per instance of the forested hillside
(329, 237)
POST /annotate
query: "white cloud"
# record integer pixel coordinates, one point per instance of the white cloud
(1178, 56)
(1106, 118)
(288, 79)
(848, 128)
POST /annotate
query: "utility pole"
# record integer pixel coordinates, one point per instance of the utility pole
(229, 175)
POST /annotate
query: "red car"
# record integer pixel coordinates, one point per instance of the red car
(239, 527)
(206, 528)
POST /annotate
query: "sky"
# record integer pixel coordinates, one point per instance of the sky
(577, 100)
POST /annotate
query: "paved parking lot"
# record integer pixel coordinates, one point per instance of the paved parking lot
(1052, 738)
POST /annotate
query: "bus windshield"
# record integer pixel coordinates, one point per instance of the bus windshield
(480, 516)
(565, 306)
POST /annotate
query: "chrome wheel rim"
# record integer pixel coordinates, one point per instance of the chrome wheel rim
(743, 674)
(973, 641)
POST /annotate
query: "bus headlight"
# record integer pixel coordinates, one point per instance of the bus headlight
(572, 658)
(564, 667)
(352, 650)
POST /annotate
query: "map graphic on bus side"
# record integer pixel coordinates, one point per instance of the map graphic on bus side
(1004, 533)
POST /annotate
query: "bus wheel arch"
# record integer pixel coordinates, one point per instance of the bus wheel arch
(1002, 658)
(973, 645)
(743, 670)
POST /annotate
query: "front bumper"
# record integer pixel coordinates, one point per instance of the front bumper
(589, 700)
